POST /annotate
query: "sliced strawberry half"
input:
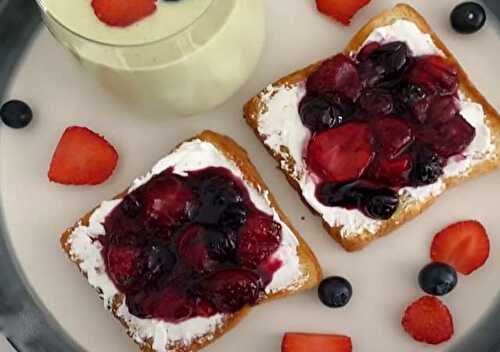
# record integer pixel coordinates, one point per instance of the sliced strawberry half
(436, 74)
(464, 245)
(341, 10)
(428, 320)
(300, 342)
(122, 13)
(395, 172)
(341, 154)
(82, 157)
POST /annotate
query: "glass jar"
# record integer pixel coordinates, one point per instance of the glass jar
(191, 71)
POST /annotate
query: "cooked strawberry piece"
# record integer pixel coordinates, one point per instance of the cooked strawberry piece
(300, 342)
(121, 13)
(336, 75)
(123, 264)
(82, 157)
(341, 154)
(192, 248)
(449, 138)
(443, 109)
(420, 109)
(393, 135)
(435, 74)
(259, 238)
(169, 304)
(341, 10)
(428, 320)
(395, 172)
(167, 202)
(464, 245)
(232, 289)
(204, 308)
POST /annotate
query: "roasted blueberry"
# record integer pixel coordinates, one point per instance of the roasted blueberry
(160, 261)
(384, 66)
(16, 114)
(319, 113)
(468, 17)
(233, 218)
(437, 279)
(381, 203)
(221, 245)
(427, 168)
(349, 195)
(412, 98)
(411, 94)
(376, 101)
(131, 206)
(217, 195)
(335, 292)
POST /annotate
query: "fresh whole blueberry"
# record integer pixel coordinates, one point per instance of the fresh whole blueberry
(16, 114)
(381, 203)
(468, 17)
(437, 279)
(335, 292)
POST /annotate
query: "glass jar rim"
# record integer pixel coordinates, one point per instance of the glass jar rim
(47, 12)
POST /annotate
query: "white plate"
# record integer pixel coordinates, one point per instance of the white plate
(383, 275)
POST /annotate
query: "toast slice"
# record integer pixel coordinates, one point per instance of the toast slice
(151, 335)
(273, 116)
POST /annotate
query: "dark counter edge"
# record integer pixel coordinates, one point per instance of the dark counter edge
(23, 319)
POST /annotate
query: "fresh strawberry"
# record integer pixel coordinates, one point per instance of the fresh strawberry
(341, 154)
(341, 10)
(428, 320)
(122, 13)
(82, 157)
(299, 342)
(464, 245)
(336, 75)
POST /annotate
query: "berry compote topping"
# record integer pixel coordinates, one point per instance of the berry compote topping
(181, 247)
(380, 121)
